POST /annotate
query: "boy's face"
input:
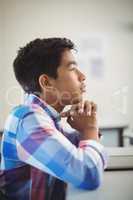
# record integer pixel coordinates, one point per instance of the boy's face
(70, 81)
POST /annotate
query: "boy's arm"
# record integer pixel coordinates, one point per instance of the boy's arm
(41, 145)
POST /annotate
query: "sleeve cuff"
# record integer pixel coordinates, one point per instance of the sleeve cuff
(99, 148)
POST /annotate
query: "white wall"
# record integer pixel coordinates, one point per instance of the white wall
(1, 65)
(25, 20)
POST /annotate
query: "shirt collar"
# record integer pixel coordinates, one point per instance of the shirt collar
(33, 99)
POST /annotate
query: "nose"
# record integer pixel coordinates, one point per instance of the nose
(82, 77)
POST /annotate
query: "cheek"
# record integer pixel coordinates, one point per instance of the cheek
(68, 82)
(71, 79)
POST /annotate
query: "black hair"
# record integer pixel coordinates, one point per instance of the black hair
(40, 56)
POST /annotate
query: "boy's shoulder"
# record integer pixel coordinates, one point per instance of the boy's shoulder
(21, 111)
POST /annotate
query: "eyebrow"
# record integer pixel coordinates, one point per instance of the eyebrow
(71, 63)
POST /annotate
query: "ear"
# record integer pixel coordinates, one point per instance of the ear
(44, 81)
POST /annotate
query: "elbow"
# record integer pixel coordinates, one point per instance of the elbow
(96, 184)
(90, 186)
(96, 181)
(92, 180)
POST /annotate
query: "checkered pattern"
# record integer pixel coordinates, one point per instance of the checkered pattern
(36, 143)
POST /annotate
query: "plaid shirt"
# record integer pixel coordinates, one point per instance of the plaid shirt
(36, 145)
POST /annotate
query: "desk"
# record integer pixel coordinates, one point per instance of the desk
(0, 134)
(0, 143)
(119, 130)
(117, 185)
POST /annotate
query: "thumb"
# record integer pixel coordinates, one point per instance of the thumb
(65, 114)
(70, 120)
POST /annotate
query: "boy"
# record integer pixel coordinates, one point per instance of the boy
(40, 155)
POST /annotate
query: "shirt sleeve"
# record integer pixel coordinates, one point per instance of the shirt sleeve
(73, 137)
(41, 145)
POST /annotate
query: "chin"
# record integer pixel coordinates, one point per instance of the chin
(74, 99)
(77, 99)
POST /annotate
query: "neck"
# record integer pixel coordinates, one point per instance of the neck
(53, 102)
(57, 107)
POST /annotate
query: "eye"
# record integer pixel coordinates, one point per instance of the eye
(73, 67)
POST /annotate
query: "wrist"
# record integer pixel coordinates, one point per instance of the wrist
(90, 133)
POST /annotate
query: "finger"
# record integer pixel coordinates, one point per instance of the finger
(70, 120)
(80, 107)
(65, 114)
(73, 110)
(87, 108)
(70, 112)
(94, 108)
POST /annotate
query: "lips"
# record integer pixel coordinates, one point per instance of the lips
(83, 88)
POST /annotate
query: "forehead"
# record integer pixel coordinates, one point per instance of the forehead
(67, 56)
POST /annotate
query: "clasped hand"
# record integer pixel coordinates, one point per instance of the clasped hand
(83, 117)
